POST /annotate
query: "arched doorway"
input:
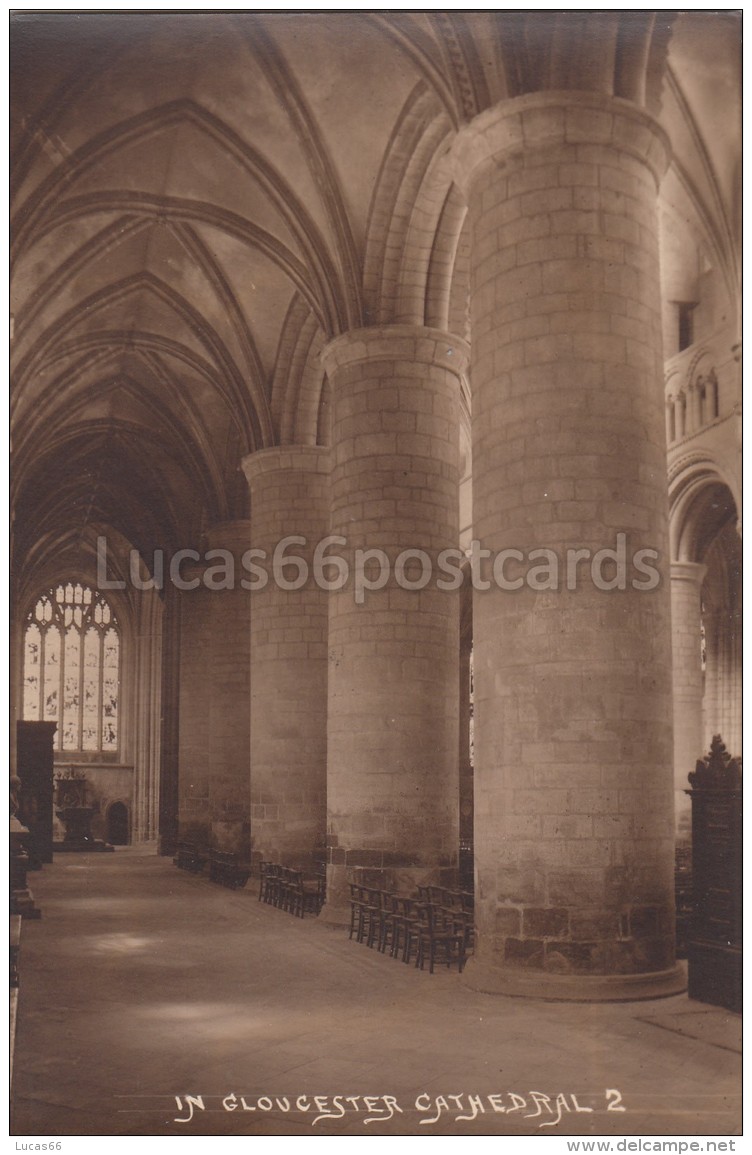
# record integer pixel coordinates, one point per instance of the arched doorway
(706, 607)
(117, 824)
(722, 638)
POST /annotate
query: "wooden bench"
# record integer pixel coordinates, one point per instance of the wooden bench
(190, 857)
(226, 869)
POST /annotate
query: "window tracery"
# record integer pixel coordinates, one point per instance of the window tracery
(72, 668)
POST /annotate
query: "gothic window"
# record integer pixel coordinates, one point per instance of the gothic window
(72, 668)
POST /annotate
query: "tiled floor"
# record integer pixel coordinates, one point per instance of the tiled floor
(142, 985)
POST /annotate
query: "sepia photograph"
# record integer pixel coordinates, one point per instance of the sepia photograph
(375, 576)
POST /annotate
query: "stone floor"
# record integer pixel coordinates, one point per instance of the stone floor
(142, 985)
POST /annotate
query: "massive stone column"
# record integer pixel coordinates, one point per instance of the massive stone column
(194, 738)
(147, 715)
(393, 650)
(289, 498)
(227, 671)
(686, 584)
(214, 708)
(574, 831)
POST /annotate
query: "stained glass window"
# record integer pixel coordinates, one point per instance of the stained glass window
(72, 668)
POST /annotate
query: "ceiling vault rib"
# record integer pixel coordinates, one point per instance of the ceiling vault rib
(123, 228)
(62, 97)
(25, 425)
(270, 60)
(213, 272)
(154, 207)
(724, 233)
(45, 198)
(230, 383)
(101, 350)
(201, 451)
(415, 45)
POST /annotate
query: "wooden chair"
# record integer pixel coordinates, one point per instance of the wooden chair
(459, 921)
(356, 911)
(375, 915)
(264, 881)
(414, 923)
(388, 922)
(364, 914)
(294, 892)
(273, 884)
(403, 917)
(434, 936)
(303, 894)
(314, 893)
(286, 885)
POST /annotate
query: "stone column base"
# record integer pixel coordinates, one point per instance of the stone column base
(574, 988)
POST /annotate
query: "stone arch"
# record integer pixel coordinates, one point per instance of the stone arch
(722, 637)
(429, 245)
(703, 388)
(443, 263)
(701, 501)
(706, 638)
(405, 214)
(298, 383)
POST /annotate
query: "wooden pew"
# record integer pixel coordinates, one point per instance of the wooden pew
(190, 857)
(226, 869)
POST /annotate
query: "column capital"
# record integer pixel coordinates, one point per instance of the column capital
(688, 571)
(553, 118)
(286, 459)
(416, 343)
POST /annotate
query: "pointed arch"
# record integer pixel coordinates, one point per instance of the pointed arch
(145, 125)
(701, 501)
(223, 374)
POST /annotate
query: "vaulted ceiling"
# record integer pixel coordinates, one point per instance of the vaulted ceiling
(201, 201)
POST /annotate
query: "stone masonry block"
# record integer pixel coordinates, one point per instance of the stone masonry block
(508, 921)
(526, 953)
(588, 124)
(545, 922)
(576, 888)
(570, 957)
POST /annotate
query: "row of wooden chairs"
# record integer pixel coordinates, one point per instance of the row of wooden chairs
(443, 896)
(455, 907)
(436, 926)
(291, 890)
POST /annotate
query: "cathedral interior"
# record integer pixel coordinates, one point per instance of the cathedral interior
(375, 519)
